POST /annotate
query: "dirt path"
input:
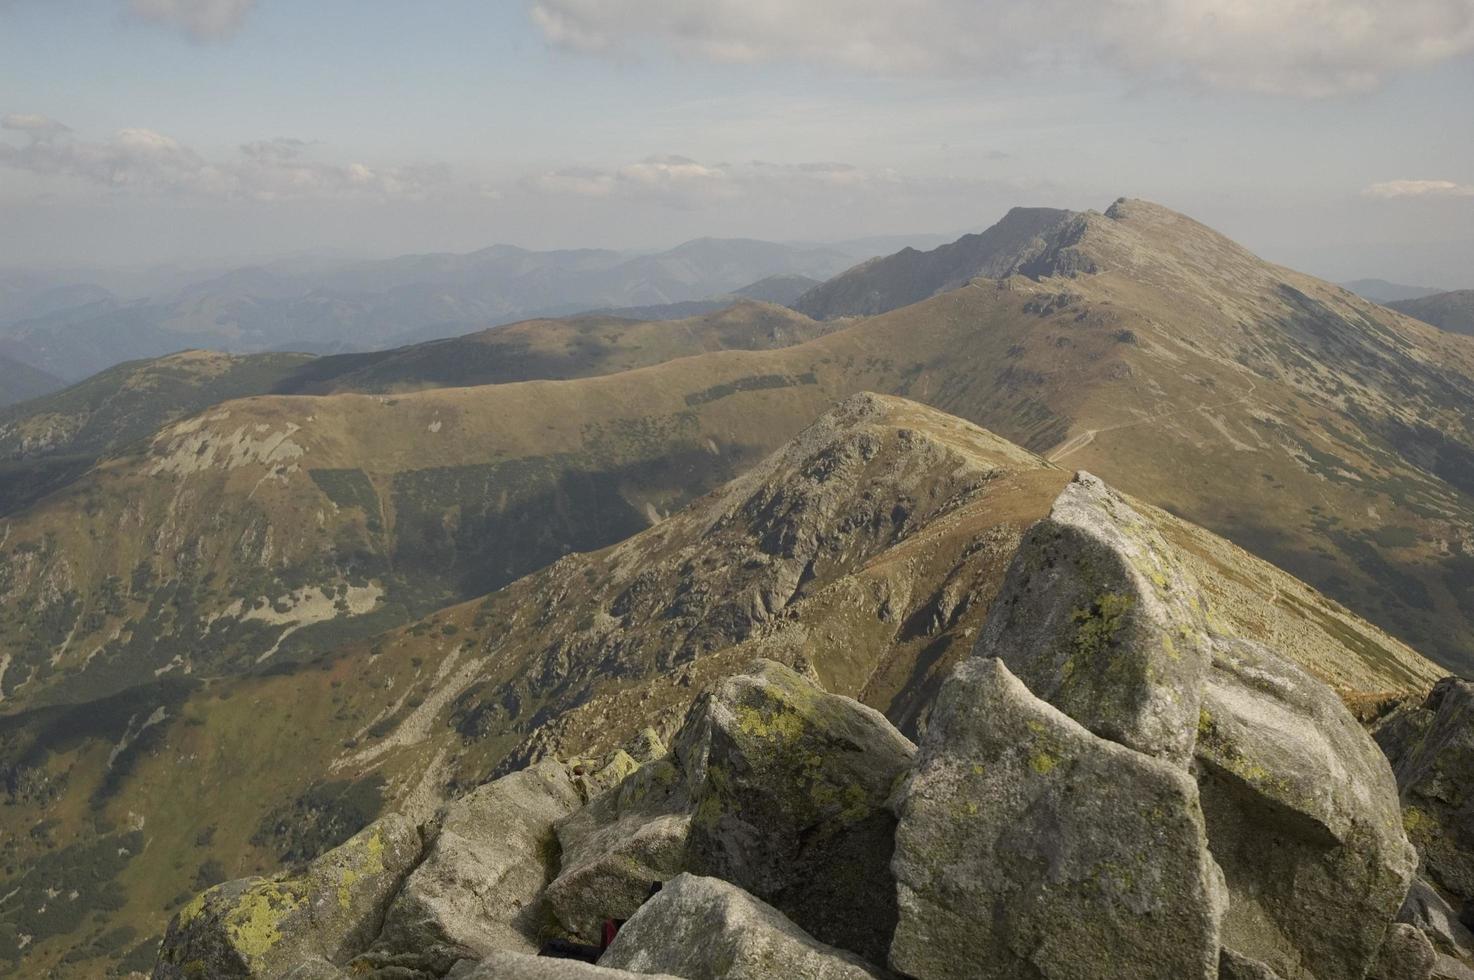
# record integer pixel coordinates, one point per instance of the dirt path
(1079, 442)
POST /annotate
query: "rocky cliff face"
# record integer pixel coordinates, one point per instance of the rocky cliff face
(1117, 782)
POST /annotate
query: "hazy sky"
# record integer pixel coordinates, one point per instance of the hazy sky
(1336, 135)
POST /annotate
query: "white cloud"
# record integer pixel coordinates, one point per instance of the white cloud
(203, 20)
(1419, 188)
(141, 161)
(1296, 47)
(683, 183)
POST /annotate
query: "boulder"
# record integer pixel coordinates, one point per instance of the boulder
(1448, 968)
(265, 927)
(707, 929)
(1406, 954)
(525, 966)
(479, 886)
(773, 785)
(317, 968)
(1098, 617)
(789, 786)
(1302, 817)
(617, 846)
(1426, 909)
(1030, 847)
(1431, 748)
(1236, 966)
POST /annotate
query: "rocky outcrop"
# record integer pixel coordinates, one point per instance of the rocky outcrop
(1406, 954)
(1234, 966)
(774, 785)
(1431, 747)
(480, 885)
(1427, 910)
(1297, 808)
(1302, 817)
(708, 929)
(789, 787)
(615, 848)
(523, 966)
(1030, 847)
(1098, 618)
(266, 927)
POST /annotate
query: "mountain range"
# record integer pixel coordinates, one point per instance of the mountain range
(302, 591)
(1452, 311)
(73, 331)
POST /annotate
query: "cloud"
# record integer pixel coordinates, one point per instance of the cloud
(144, 162)
(1418, 188)
(35, 125)
(1288, 47)
(683, 183)
(203, 20)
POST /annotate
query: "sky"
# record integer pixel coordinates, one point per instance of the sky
(1333, 135)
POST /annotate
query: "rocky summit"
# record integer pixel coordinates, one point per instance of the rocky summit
(1117, 782)
(737, 645)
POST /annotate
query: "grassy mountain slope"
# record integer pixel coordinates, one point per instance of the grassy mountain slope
(1318, 430)
(1453, 311)
(867, 550)
(49, 441)
(575, 347)
(20, 382)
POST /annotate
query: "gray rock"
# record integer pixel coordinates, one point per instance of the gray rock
(617, 846)
(1302, 817)
(316, 968)
(480, 885)
(774, 785)
(1432, 752)
(1427, 910)
(265, 927)
(1099, 618)
(1029, 847)
(1235, 966)
(1406, 954)
(524, 966)
(789, 786)
(1448, 968)
(707, 929)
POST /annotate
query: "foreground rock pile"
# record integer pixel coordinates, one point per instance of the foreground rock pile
(1109, 788)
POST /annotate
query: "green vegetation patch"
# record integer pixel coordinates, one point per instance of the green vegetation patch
(320, 819)
(757, 382)
(347, 488)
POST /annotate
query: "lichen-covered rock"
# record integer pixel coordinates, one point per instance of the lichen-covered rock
(316, 968)
(265, 927)
(1302, 817)
(1236, 966)
(480, 885)
(707, 929)
(789, 786)
(1427, 910)
(1431, 748)
(1030, 847)
(1099, 618)
(1448, 968)
(774, 785)
(524, 966)
(1406, 954)
(617, 846)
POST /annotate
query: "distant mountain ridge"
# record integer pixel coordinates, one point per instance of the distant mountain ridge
(1382, 291)
(374, 305)
(909, 276)
(19, 381)
(1452, 311)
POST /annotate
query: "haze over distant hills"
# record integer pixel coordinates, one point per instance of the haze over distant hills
(75, 331)
(1382, 291)
(1452, 311)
